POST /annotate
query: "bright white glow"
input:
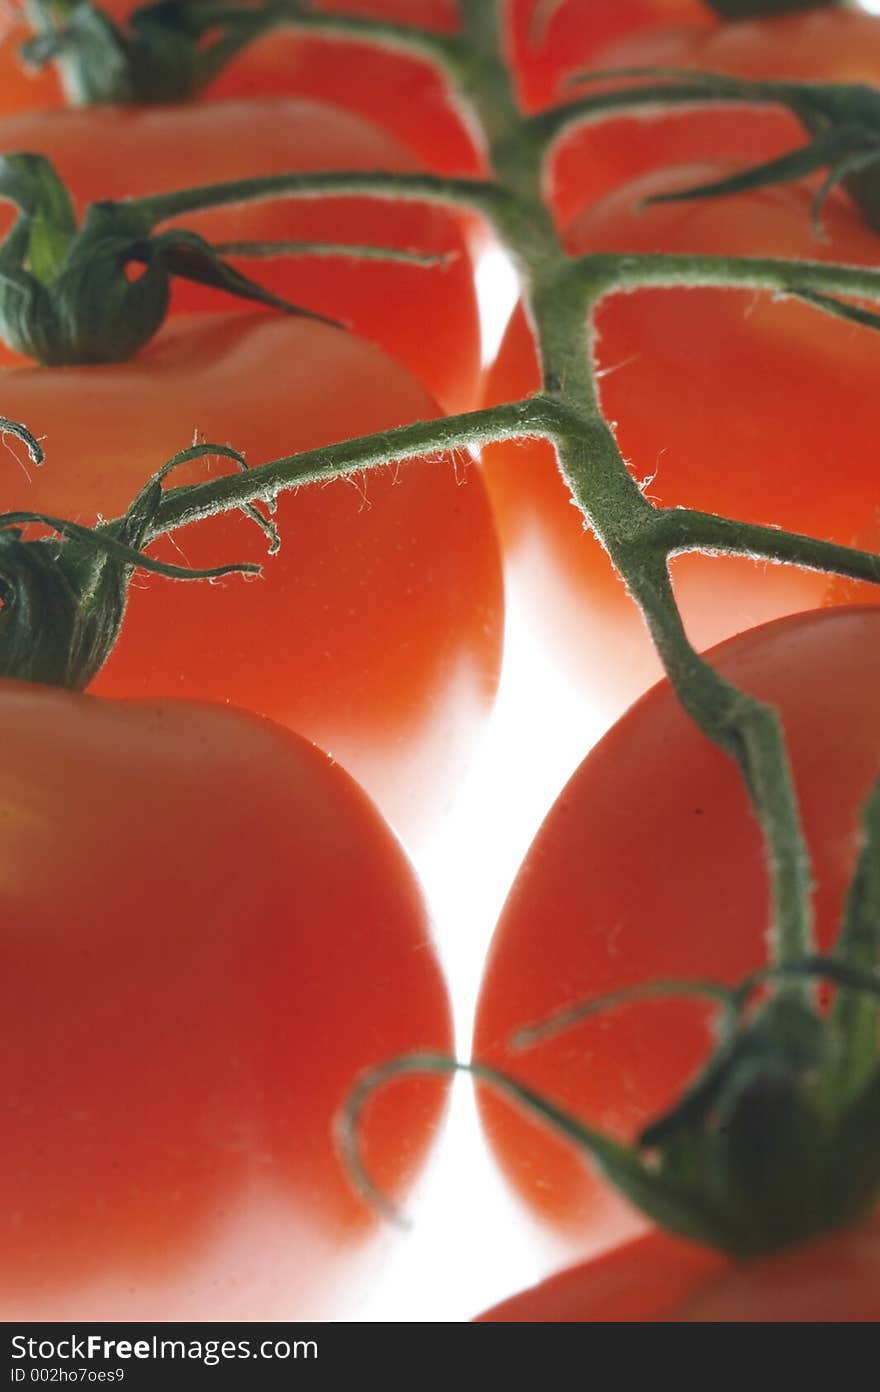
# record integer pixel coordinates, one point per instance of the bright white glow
(471, 1243)
(872, 6)
(497, 291)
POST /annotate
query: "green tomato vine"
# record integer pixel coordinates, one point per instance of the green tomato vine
(822, 1071)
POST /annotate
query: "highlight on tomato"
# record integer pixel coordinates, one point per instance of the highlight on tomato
(208, 932)
(820, 45)
(660, 1278)
(650, 867)
(148, 152)
(723, 401)
(376, 629)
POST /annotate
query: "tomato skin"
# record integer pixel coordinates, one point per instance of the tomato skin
(192, 902)
(403, 94)
(376, 630)
(21, 90)
(576, 33)
(821, 45)
(147, 152)
(650, 865)
(659, 1278)
(721, 400)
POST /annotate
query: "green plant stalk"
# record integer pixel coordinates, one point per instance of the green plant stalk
(479, 195)
(664, 531)
(639, 538)
(698, 1178)
(561, 295)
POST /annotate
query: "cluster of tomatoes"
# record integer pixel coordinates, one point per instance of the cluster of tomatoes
(210, 928)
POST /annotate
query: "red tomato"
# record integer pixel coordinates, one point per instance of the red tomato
(546, 53)
(722, 401)
(147, 152)
(429, 14)
(660, 1278)
(194, 903)
(376, 630)
(404, 94)
(20, 89)
(650, 865)
(821, 45)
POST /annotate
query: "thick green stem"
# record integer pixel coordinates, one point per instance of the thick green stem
(748, 731)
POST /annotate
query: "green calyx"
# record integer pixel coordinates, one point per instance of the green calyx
(98, 291)
(62, 602)
(777, 1140)
(764, 1152)
(168, 53)
(768, 1148)
(63, 597)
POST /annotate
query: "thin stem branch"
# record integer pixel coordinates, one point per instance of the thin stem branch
(551, 125)
(536, 417)
(673, 531)
(604, 273)
(477, 194)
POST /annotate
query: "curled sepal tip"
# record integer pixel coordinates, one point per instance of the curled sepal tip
(63, 597)
(21, 432)
(759, 1153)
(67, 292)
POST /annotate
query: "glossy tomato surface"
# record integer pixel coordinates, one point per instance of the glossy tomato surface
(659, 1278)
(826, 45)
(376, 630)
(724, 401)
(551, 40)
(160, 150)
(402, 93)
(650, 865)
(193, 902)
(20, 88)
(820, 45)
